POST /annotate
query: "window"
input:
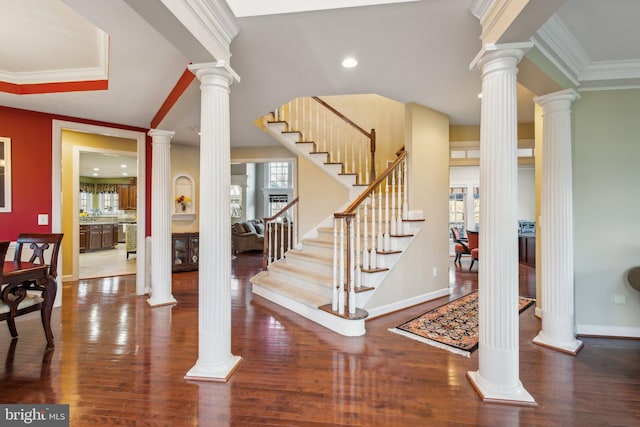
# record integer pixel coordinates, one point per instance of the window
(456, 209)
(108, 202)
(476, 207)
(278, 175)
(236, 201)
(83, 201)
(277, 202)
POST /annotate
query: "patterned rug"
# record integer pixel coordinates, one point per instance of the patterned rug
(453, 326)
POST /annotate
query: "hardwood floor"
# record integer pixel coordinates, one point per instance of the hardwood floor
(119, 362)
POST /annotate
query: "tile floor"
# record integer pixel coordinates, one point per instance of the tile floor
(110, 262)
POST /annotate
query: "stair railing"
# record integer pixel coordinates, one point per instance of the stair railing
(333, 133)
(360, 223)
(280, 233)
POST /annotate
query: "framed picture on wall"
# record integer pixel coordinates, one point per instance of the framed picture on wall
(5, 174)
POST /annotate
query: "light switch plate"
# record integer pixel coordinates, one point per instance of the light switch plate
(43, 219)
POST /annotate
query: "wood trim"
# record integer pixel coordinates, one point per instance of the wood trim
(342, 116)
(180, 87)
(281, 211)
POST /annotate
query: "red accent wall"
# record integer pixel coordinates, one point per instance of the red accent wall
(30, 134)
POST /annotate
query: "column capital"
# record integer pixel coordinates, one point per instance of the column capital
(557, 100)
(218, 68)
(492, 52)
(153, 133)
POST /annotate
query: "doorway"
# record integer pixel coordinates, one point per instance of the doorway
(69, 221)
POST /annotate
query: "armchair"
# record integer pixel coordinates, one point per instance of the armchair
(247, 236)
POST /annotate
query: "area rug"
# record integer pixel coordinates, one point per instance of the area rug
(452, 327)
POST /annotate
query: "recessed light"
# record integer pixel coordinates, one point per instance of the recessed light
(480, 95)
(349, 63)
(95, 174)
(96, 169)
(125, 174)
(123, 166)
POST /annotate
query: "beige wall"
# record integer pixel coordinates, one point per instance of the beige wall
(320, 196)
(384, 115)
(71, 139)
(427, 144)
(185, 160)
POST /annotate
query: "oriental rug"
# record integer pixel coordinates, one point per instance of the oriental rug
(452, 327)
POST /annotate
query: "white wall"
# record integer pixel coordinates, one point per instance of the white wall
(606, 169)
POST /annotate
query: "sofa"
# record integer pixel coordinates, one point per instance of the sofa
(247, 236)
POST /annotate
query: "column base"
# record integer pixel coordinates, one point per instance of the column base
(157, 302)
(572, 347)
(218, 373)
(488, 393)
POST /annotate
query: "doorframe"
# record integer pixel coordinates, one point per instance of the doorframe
(56, 194)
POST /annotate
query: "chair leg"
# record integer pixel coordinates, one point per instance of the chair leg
(472, 261)
(11, 323)
(457, 258)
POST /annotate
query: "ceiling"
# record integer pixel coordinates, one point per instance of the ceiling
(415, 51)
(108, 165)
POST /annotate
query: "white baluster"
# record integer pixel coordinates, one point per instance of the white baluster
(366, 166)
(393, 203)
(380, 219)
(386, 238)
(358, 267)
(268, 243)
(334, 301)
(352, 288)
(353, 157)
(399, 228)
(275, 240)
(281, 239)
(405, 205)
(365, 251)
(342, 272)
(373, 259)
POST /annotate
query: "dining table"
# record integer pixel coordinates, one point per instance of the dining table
(31, 276)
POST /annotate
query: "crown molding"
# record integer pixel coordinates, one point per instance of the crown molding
(80, 74)
(211, 22)
(559, 46)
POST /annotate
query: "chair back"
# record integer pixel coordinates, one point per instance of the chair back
(473, 239)
(455, 232)
(4, 246)
(39, 243)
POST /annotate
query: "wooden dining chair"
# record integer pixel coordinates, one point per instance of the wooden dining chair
(44, 247)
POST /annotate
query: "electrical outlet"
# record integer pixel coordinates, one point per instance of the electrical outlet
(619, 299)
(435, 271)
(43, 219)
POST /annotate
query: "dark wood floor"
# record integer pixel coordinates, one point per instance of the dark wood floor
(119, 362)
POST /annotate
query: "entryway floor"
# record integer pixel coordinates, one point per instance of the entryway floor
(109, 262)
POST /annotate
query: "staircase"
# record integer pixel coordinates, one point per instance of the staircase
(333, 271)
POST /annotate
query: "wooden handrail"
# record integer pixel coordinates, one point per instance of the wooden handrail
(342, 116)
(350, 211)
(281, 211)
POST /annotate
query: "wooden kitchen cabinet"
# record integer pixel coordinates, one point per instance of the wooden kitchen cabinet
(127, 196)
(95, 237)
(527, 249)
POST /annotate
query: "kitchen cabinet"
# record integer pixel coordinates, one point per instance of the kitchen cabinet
(184, 249)
(95, 237)
(127, 196)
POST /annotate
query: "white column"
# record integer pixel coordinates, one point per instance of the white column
(556, 228)
(215, 361)
(497, 378)
(161, 205)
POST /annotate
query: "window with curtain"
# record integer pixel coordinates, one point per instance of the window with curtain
(277, 202)
(236, 201)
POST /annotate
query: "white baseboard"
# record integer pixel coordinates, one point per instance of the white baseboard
(609, 331)
(409, 302)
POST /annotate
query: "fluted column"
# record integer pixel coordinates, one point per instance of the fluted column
(556, 225)
(497, 378)
(161, 205)
(215, 361)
